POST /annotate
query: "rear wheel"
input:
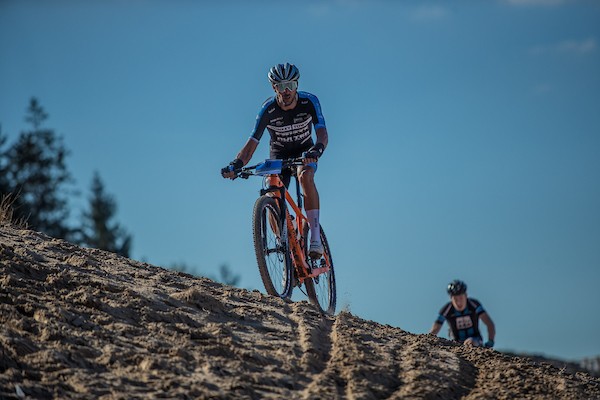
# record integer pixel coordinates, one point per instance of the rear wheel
(272, 254)
(321, 289)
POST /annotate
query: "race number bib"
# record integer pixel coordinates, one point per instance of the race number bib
(464, 322)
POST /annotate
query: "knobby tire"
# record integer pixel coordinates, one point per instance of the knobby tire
(272, 254)
(321, 290)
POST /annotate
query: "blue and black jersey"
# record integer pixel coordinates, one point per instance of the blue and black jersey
(290, 129)
(463, 324)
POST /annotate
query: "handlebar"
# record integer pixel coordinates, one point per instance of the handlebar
(267, 167)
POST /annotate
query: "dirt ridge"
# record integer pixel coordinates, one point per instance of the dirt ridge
(81, 323)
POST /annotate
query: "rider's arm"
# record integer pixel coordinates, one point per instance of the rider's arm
(322, 136)
(242, 158)
(491, 328)
(437, 325)
(435, 329)
(248, 150)
(316, 151)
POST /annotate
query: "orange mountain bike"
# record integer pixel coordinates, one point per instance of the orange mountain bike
(280, 232)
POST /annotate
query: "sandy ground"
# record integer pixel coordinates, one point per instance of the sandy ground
(86, 324)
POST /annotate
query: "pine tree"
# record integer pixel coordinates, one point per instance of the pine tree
(98, 230)
(34, 172)
(227, 276)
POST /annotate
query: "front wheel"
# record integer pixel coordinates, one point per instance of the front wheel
(321, 289)
(272, 254)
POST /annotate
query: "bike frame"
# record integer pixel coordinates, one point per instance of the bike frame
(295, 234)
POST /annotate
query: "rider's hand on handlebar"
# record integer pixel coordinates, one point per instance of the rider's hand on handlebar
(313, 154)
(306, 160)
(229, 171)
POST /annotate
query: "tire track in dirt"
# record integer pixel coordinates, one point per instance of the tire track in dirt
(433, 372)
(314, 332)
(361, 365)
(368, 360)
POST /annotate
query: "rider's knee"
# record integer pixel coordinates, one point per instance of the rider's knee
(473, 342)
(273, 181)
(307, 175)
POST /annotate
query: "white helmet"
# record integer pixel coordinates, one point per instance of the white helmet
(283, 72)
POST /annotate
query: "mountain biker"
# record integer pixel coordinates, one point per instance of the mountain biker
(462, 314)
(289, 117)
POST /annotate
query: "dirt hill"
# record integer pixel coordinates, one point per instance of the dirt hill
(87, 324)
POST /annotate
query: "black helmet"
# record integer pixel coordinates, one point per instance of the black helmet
(283, 72)
(457, 287)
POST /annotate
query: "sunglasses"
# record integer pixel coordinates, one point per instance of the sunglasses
(281, 86)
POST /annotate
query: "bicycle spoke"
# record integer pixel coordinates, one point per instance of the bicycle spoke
(322, 289)
(273, 263)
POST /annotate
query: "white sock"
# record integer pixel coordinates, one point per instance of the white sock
(313, 224)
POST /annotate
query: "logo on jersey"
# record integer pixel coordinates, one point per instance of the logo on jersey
(296, 132)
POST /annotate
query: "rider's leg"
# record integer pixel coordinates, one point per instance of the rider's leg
(275, 180)
(311, 205)
(307, 181)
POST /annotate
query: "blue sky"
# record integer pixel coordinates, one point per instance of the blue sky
(464, 142)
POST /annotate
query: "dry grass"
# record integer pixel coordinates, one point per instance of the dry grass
(7, 216)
